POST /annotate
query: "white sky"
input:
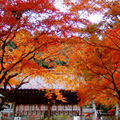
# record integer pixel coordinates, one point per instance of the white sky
(93, 18)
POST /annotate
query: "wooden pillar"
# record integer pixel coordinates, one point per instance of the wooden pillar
(49, 110)
(14, 109)
(81, 111)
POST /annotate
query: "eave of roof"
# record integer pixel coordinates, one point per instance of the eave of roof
(35, 96)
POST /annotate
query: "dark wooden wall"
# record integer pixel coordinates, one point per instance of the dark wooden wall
(34, 96)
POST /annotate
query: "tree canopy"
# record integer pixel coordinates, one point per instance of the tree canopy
(84, 56)
(96, 59)
(28, 36)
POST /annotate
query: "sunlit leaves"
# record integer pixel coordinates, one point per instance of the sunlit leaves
(55, 94)
(98, 64)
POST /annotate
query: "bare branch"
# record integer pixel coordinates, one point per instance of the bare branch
(22, 82)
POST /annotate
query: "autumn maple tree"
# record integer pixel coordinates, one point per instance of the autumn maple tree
(93, 62)
(98, 67)
(28, 31)
(96, 60)
(34, 31)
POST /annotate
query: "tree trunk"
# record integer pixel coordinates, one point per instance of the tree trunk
(2, 103)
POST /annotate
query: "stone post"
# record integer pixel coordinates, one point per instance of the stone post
(117, 111)
(94, 117)
(0, 115)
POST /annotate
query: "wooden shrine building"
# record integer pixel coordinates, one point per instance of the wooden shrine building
(35, 96)
(32, 102)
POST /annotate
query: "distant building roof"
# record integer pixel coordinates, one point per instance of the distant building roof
(35, 96)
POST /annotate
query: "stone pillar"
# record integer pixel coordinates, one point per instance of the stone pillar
(0, 115)
(10, 109)
(117, 111)
(94, 117)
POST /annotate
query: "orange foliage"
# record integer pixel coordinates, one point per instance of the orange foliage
(25, 40)
(98, 65)
(92, 64)
(55, 94)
